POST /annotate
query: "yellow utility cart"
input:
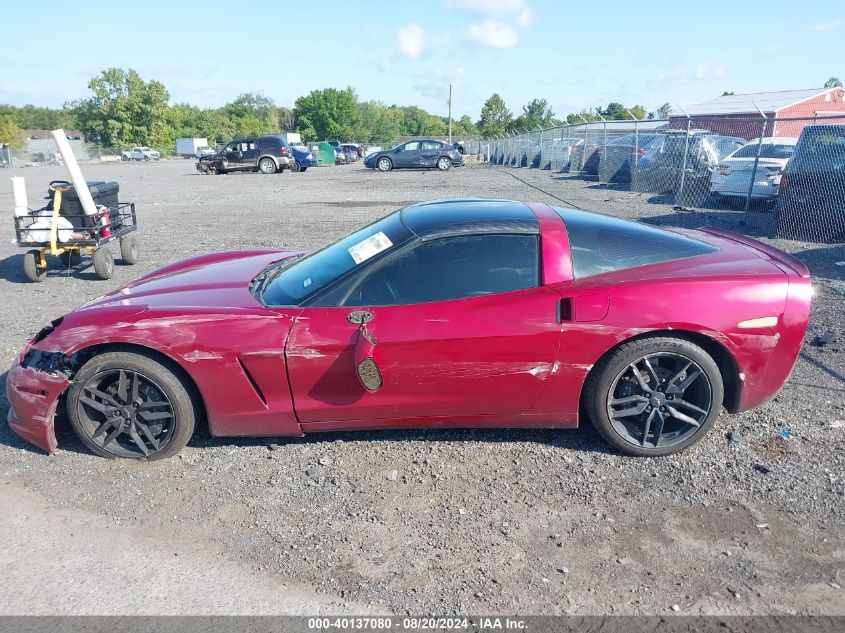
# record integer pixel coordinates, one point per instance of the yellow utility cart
(68, 234)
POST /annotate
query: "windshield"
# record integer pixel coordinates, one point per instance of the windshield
(318, 270)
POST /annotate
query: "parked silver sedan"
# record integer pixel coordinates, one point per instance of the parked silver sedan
(732, 178)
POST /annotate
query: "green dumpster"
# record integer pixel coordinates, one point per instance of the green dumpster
(325, 155)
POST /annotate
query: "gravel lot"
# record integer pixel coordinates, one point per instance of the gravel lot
(443, 522)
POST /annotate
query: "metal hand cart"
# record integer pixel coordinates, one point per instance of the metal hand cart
(90, 234)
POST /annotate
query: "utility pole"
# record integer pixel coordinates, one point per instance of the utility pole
(450, 114)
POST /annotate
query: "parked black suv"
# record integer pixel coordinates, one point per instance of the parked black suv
(811, 197)
(267, 154)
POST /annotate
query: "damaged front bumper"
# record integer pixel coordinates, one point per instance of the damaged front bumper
(33, 397)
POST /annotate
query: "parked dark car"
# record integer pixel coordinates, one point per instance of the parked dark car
(686, 161)
(351, 151)
(614, 163)
(811, 197)
(267, 154)
(428, 153)
(302, 159)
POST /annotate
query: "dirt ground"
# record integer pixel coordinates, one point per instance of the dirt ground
(749, 521)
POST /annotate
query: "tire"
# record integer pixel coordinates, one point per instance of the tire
(69, 258)
(267, 166)
(112, 423)
(304, 169)
(384, 164)
(103, 263)
(32, 266)
(444, 163)
(129, 250)
(295, 167)
(613, 379)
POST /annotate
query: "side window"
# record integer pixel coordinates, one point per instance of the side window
(232, 147)
(450, 268)
(413, 146)
(602, 244)
(431, 145)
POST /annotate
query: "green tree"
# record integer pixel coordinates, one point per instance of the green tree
(10, 132)
(30, 117)
(464, 127)
(124, 110)
(833, 82)
(619, 112)
(375, 123)
(536, 113)
(326, 114)
(250, 114)
(418, 122)
(190, 121)
(496, 119)
(727, 94)
(580, 117)
(663, 111)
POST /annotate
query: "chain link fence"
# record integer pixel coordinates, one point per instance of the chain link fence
(785, 176)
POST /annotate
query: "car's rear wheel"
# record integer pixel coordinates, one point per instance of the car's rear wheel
(444, 163)
(654, 396)
(267, 166)
(126, 404)
(384, 164)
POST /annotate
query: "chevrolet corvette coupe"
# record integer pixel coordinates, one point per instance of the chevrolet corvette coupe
(452, 313)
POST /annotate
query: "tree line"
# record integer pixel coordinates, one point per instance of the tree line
(125, 110)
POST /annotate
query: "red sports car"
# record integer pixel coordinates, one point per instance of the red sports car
(453, 313)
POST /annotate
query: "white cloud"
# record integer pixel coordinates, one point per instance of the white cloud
(494, 34)
(832, 25)
(411, 40)
(435, 86)
(705, 70)
(708, 70)
(516, 9)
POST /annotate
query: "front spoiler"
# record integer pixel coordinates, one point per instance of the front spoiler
(33, 397)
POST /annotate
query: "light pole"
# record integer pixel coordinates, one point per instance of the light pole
(450, 114)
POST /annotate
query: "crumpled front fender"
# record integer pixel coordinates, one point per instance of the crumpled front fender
(33, 397)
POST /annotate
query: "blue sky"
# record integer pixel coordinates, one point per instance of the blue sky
(574, 54)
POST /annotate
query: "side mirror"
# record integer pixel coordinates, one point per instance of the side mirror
(366, 367)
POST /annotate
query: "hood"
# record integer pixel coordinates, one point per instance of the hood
(220, 280)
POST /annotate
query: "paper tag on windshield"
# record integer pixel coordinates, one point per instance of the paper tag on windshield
(373, 245)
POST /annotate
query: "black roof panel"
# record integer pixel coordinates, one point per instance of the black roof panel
(440, 218)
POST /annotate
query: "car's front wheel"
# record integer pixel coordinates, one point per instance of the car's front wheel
(384, 164)
(444, 163)
(654, 396)
(295, 167)
(126, 404)
(267, 166)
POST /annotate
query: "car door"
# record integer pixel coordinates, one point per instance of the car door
(232, 152)
(462, 329)
(429, 152)
(249, 154)
(408, 154)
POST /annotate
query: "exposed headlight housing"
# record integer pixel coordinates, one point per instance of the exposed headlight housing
(50, 362)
